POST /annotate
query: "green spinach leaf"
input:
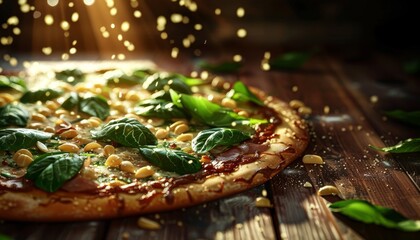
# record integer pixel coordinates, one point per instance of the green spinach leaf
(212, 114)
(405, 117)
(407, 146)
(95, 106)
(208, 139)
(240, 92)
(289, 61)
(71, 102)
(12, 139)
(366, 212)
(126, 131)
(159, 81)
(71, 76)
(159, 108)
(171, 160)
(118, 77)
(224, 67)
(13, 82)
(42, 95)
(13, 115)
(50, 171)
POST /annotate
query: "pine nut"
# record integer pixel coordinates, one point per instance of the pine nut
(262, 202)
(312, 159)
(185, 137)
(22, 151)
(45, 111)
(92, 145)
(181, 129)
(144, 172)
(49, 129)
(132, 96)
(177, 123)
(127, 166)
(69, 134)
(161, 133)
(295, 104)
(148, 224)
(116, 183)
(328, 190)
(69, 147)
(95, 122)
(109, 150)
(243, 113)
(156, 122)
(42, 147)
(7, 97)
(52, 105)
(229, 103)
(36, 125)
(38, 117)
(113, 161)
(23, 160)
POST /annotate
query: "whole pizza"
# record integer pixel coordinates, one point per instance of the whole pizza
(107, 142)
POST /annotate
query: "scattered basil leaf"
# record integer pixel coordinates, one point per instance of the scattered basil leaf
(42, 95)
(366, 212)
(13, 115)
(71, 102)
(159, 108)
(96, 106)
(224, 67)
(13, 82)
(171, 160)
(50, 171)
(240, 92)
(12, 139)
(71, 76)
(410, 145)
(405, 117)
(208, 139)
(289, 61)
(212, 114)
(159, 81)
(126, 131)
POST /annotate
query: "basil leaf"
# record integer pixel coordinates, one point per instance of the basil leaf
(289, 61)
(208, 139)
(118, 77)
(405, 117)
(126, 131)
(12, 139)
(40, 95)
(158, 81)
(212, 114)
(71, 76)
(50, 171)
(13, 115)
(13, 82)
(171, 160)
(95, 106)
(240, 92)
(159, 108)
(407, 146)
(224, 67)
(366, 212)
(71, 102)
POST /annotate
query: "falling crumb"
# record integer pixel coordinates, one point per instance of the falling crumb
(48, 19)
(75, 17)
(307, 185)
(240, 12)
(264, 193)
(241, 33)
(374, 99)
(326, 109)
(237, 58)
(174, 52)
(295, 88)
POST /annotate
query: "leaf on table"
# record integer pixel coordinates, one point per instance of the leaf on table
(223, 67)
(410, 145)
(289, 61)
(412, 117)
(369, 213)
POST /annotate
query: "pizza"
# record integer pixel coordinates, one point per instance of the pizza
(91, 142)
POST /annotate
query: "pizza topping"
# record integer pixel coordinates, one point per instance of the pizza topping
(12, 139)
(51, 170)
(13, 82)
(144, 172)
(40, 95)
(159, 108)
(80, 183)
(127, 132)
(240, 92)
(208, 139)
(96, 106)
(23, 160)
(69, 147)
(13, 115)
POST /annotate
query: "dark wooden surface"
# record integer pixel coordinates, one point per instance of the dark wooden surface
(341, 136)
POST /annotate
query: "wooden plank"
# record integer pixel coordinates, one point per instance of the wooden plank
(341, 137)
(235, 217)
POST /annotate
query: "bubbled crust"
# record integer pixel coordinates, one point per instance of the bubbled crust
(35, 205)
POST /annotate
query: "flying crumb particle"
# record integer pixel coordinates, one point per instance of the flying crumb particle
(137, 14)
(326, 109)
(241, 33)
(47, 50)
(237, 58)
(295, 88)
(264, 193)
(307, 185)
(174, 52)
(48, 19)
(148, 224)
(217, 11)
(374, 99)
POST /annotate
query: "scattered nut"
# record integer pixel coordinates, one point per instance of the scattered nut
(108, 150)
(312, 159)
(91, 146)
(69, 147)
(42, 147)
(307, 185)
(144, 172)
(127, 166)
(113, 161)
(148, 224)
(262, 202)
(328, 190)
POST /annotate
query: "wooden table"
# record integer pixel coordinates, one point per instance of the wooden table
(346, 119)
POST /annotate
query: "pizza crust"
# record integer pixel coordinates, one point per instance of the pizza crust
(36, 205)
